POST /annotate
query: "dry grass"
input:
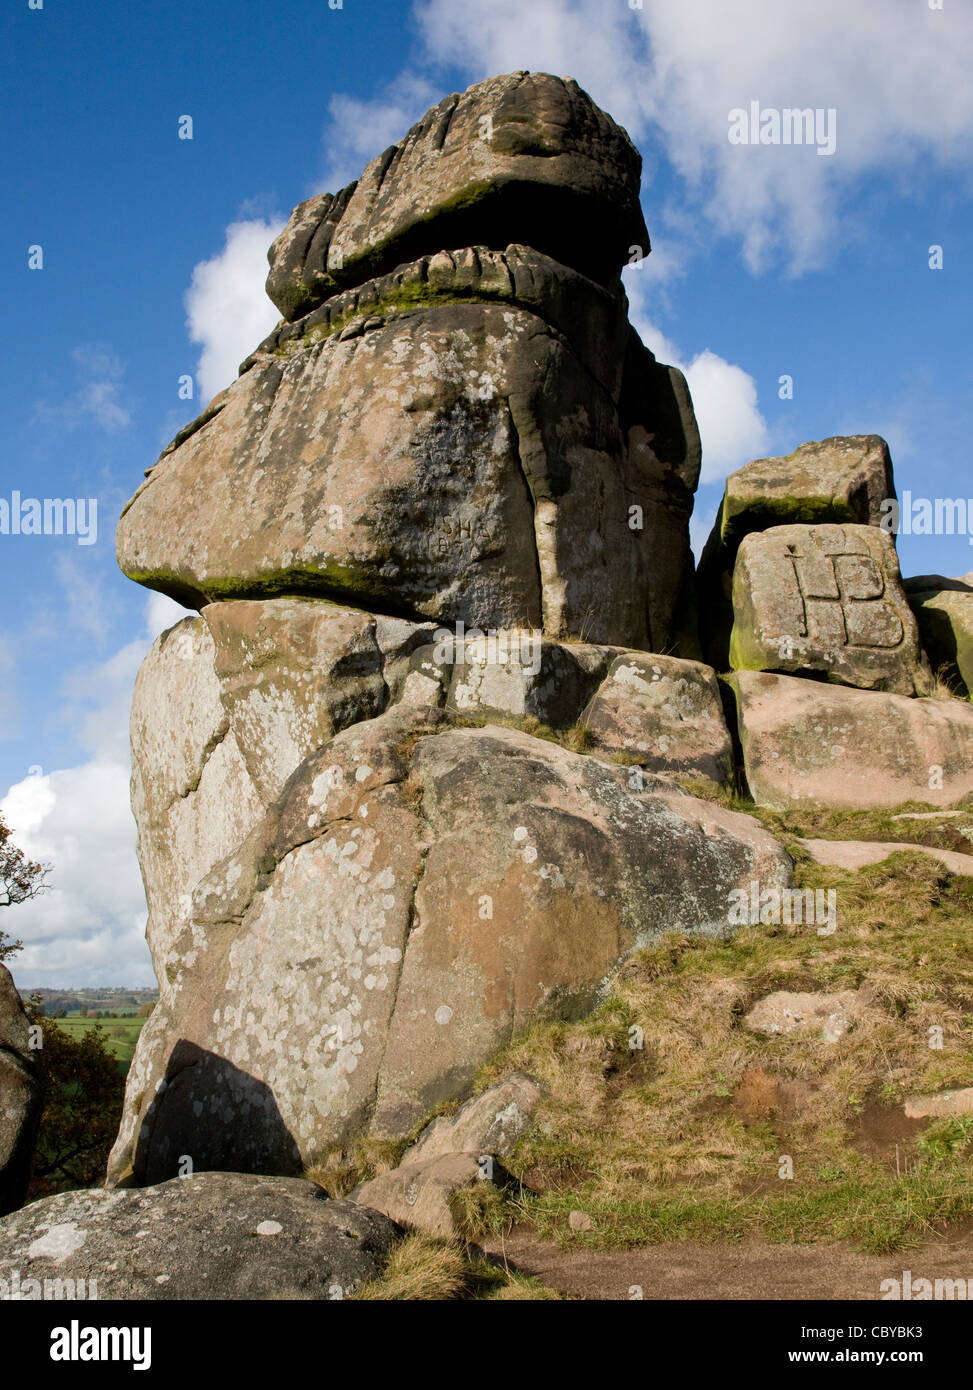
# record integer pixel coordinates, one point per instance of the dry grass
(948, 684)
(419, 1267)
(422, 1268)
(480, 1211)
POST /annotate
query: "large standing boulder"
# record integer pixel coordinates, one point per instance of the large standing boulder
(211, 1236)
(842, 479)
(20, 1097)
(417, 896)
(227, 705)
(825, 599)
(806, 743)
(525, 157)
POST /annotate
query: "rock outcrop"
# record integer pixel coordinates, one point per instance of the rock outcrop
(410, 781)
(417, 895)
(20, 1097)
(844, 479)
(467, 427)
(825, 599)
(944, 612)
(526, 157)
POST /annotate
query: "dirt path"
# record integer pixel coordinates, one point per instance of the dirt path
(747, 1270)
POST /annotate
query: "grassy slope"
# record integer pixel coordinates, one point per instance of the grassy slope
(683, 1138)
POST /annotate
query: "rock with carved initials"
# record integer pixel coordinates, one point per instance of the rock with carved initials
(826, 599)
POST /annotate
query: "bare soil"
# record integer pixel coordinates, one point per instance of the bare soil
(743, 1271)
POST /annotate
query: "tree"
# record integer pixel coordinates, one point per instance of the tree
(20, 879)
(83, 1095)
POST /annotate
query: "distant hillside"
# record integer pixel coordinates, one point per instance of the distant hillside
(81, 1002)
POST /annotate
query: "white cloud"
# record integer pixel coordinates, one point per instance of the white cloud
(89, 928)
(731, 427)
(359, 130)
(227, 308)
(896, 72)
(98, 396)
(161, 612)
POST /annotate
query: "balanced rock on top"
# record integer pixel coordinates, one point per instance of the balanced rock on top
(461, 424)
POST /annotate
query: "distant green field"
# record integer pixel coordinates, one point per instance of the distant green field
(120, 1034)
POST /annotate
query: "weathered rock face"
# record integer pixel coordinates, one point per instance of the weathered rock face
(944, 612)
(490, 1123)
(663, 713)
(841, 479)
(416, 896)
(825, 599)
(418, 1195)
(492, 483)
(808, 743)
(211, 1236)
(526, 157)
(20, 1097)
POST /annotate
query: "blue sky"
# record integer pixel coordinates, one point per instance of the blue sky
(766, 261)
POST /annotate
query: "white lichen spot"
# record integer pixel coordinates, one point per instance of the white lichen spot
(58, 1243)
(443, 1014)
(520, 833)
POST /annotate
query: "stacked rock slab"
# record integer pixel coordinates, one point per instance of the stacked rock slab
(842, 479)
(457, 420)
(813, 601)
(825, 599)
(448, 494)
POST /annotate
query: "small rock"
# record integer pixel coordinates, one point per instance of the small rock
(831, 1015)
(490, 1123)
(940, 1106)
(418, 1194)
(855, 854)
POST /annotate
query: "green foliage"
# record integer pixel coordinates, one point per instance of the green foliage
(946, 1140)
(20, 878)
(83, 1094)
